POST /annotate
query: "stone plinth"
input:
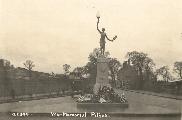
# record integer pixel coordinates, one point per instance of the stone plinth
(102, 74)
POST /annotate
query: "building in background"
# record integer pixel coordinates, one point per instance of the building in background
(127, 76)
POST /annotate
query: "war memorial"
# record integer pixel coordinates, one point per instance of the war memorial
(103, 95)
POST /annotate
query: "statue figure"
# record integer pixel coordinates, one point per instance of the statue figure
(103, 36)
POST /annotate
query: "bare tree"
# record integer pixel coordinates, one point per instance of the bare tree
(164, 72)
(29, 66)
(178, 68)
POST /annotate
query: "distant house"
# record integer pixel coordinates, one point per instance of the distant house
(127, 76)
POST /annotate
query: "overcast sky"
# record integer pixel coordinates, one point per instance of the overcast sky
(55, 32)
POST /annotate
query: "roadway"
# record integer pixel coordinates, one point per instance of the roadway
(138, 104)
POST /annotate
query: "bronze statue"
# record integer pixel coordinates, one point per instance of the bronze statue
(103, 36)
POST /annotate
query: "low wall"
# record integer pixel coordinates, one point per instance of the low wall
(23, 87)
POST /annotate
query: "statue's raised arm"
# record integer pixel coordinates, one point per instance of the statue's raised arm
(98, 26)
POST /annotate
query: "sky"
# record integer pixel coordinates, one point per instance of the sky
(56, 32)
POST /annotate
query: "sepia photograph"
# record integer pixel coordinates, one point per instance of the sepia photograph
(90, 60)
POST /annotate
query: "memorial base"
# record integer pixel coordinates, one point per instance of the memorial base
(103, 94)
(102, 74)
